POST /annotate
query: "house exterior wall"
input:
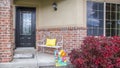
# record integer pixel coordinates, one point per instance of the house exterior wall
(69, 21)
(6, 32)
(72, 36)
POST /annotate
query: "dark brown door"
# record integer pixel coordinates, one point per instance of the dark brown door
(25, 26)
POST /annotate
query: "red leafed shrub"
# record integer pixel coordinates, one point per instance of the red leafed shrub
(97, 52)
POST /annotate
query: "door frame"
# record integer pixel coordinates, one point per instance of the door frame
(16, 18)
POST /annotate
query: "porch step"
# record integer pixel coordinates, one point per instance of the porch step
(24, 56)
(22, 50)
(24, 53)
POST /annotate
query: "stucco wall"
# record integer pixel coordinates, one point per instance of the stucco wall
(26, 2)
(69, 13)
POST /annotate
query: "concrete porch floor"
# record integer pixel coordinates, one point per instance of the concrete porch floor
(40, 60)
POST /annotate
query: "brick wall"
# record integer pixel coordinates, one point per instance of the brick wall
(72, 36)
(6, 34)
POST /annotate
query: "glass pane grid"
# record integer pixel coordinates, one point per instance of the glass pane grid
(111, 31)
(95, 18)
(112, 19)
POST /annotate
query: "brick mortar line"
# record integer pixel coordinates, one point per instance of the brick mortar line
(62, 28)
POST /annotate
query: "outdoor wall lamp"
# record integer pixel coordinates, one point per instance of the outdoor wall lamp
(54, 5)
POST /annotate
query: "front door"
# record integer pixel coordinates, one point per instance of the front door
(25, 27)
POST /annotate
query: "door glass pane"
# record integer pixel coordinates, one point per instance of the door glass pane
(26, 23)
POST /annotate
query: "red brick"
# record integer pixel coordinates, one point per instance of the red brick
(72, 36)
(6, 31)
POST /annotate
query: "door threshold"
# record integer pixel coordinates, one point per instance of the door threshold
(25, 47)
